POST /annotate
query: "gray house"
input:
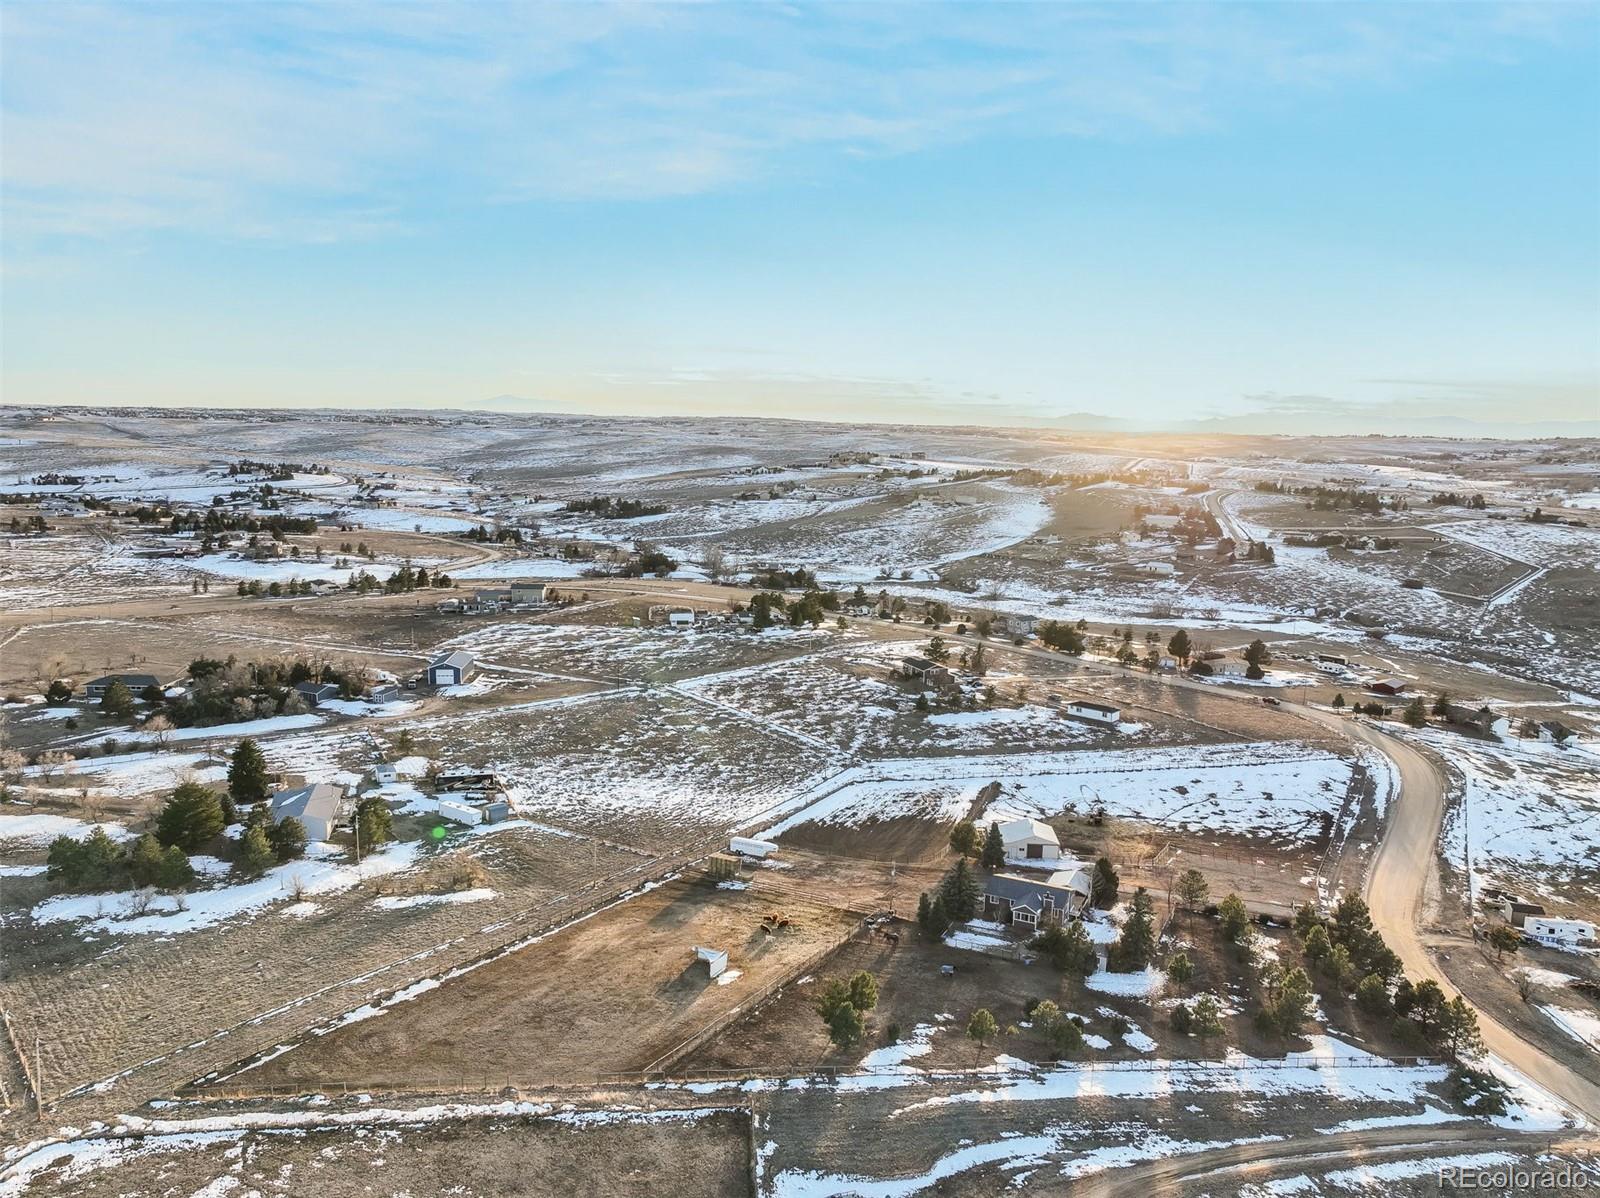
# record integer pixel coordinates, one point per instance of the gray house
(316, 693)
(136, 683)
(321, 807)
(1030, 903)
(450, 670)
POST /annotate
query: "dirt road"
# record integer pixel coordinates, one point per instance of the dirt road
(1396, 889)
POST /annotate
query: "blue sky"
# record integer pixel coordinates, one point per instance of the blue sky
(1328, 213)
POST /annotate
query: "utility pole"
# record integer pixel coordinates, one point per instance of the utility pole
(38, 1074)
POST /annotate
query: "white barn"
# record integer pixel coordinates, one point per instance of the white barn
(1031, 843)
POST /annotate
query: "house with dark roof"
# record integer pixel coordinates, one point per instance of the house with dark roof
(136, 683)
(924, 672)
(1030, 903)
(316, 693)
(1485, 721)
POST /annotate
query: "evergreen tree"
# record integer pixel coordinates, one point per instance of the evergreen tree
(1338, 701)
(373, 822)
(994, 848)
(176, 872)
(924, 913)
(1504, 939)
(1458, 1029)
(1207, 1016)
(1180, 647)
(58, 692)
(960, 891)
(1258, 654)
(863, 991)
(254, 854)
(982, 1026)
(1180, 970)
(1137, 944)
(117, 701)
(937, 650)
(1414, 714)
(1317, 945)
(190, 818)
(1192, 890)
(144, 861)
(964, 838)
(1372, 996)
(1235, 919)
(247, 774)
(938, 917)
(287, 838)
(1068, 947)
(1103, 888)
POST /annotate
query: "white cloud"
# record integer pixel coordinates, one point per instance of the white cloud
(325, 121)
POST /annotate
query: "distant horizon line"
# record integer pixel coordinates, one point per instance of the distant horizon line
(1077, 423)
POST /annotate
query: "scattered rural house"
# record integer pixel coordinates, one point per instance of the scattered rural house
(450, 670)
(1558, 933)
(1482, 720)
(1388, 686)
(1230, 667)
(1031, 843)
(384, 773)
(448, 607)
(1011, 624)
(316, 693)
(527, 592)
(1032, 903)
(1162, 522)
(136, 683)
(489, 601)
(386, 692)
(321, 807)
(1168, 662)
(747, 846)
(1516, 912)
(1098, 713)
(683, 618)
(924, 672)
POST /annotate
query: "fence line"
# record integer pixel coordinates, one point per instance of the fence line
(669, 1079)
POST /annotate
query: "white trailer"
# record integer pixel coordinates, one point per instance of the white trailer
(460, 813)
(747, 846)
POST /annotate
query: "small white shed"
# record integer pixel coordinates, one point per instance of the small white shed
(716, 960)
(1097, 713)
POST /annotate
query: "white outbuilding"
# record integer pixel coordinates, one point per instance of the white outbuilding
(1095, 713)
(1029, 842)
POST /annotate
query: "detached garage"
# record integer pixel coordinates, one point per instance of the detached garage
(450, 670)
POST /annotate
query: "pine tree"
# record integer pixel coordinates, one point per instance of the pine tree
(982, 1026)
(1103, 889)
(863, 991)
(1235, 919)
(176, 872)
(1207, 1016)
(994, 848)
(924, 913)
(1415, 714)
(1372, 996)
(1136, 945)
(190, 818)
(144, 861)
(247, 774)
(254, 854)
(1068, 947)
(938, 917)
(373, 822)
(1180, 970)
(1192, 890)
(960, 891)
(1338, 701)
(117, 700)
(287, 838)
(964, 838)
(1180, 647)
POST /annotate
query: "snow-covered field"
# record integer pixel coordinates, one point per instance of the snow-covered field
(1262, 789)
(1528, 818)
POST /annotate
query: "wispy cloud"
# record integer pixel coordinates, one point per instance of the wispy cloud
(347, 120)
